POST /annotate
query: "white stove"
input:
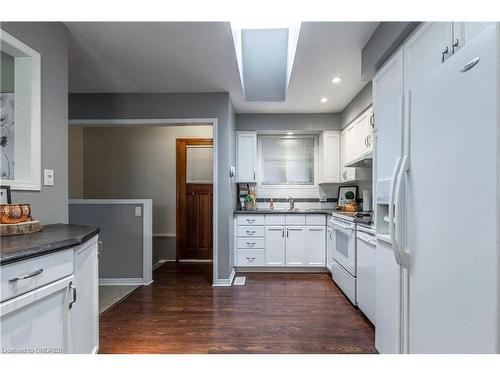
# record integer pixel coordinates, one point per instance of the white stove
(342, 250)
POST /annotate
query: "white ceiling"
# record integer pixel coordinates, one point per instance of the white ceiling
(200, 57)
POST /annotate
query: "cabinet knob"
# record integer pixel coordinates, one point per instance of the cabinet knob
(455, 45)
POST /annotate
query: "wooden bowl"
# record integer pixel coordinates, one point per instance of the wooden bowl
(15, 213)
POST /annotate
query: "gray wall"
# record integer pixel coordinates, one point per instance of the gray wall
(121, 235)
(288, 121)
(384, 41)
(212, 105)
(50, 205)
(357, 105)
(105, 151)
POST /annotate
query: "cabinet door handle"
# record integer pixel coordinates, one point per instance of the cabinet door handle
(250, 232)
(73, 288)
(455, 46)
(444, 53)
(283, 233)
(287, 232)
(250, 220)
(251, 244)
(99, 247)
(250, 258)
(27, 276)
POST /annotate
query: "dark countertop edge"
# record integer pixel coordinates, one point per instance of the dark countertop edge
(284, 212)
(52, 248)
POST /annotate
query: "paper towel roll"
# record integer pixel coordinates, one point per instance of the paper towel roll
(367, 200)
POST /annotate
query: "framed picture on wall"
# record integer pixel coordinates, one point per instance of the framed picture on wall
(347, 194)
(5, 195)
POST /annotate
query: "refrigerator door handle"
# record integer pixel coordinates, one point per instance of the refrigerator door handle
(401, 256)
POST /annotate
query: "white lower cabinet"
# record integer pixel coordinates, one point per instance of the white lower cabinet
(315, 245)
(281, 240)
(295, 246)
(38, 321)
(275, 245)
(85, 308)
(51, 303)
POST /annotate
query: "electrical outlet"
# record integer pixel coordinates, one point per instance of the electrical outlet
(322, 196)
(48, 177)
(138, 211)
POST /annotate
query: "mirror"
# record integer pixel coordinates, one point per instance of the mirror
(19, 114)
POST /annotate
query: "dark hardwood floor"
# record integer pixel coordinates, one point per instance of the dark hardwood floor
(273, 313)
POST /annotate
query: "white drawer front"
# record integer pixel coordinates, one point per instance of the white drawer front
(275, 219)
(248, 258)
(295, 219)
(35, 272)
(316, 219)
(344, 281)
(250, 231)
(250, 243)
(250, 219)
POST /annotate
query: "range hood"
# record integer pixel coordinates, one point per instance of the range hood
(363, 161)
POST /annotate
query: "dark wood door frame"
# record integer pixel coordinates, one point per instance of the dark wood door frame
(181, 190)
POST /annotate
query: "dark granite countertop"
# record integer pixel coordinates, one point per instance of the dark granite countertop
(54, 237)
(266, 211)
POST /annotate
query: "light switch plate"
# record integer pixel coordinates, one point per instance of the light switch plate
(48, 177)
(138, 211)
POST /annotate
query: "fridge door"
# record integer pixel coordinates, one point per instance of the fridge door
(451, 216)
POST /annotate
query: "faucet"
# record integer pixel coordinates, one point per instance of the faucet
(292, 203)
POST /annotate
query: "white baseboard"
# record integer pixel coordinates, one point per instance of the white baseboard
(123, 281)
(195, 261)
(267, 269)
(161, 261)
(225, 282)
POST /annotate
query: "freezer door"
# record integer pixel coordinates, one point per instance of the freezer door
(388, 301)
(387, 108)
(451, 216)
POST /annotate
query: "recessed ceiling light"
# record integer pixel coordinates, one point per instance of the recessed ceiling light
(323, 100)
(289, 133)
(336, 79)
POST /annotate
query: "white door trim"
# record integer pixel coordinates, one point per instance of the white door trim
(177, 121)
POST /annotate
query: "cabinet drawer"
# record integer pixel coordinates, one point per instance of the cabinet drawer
(315, 219)
(250, 231)
(34, 273)
(250, 243)
(295, 219)
(275, 219)
(248, 258)
(250, 220)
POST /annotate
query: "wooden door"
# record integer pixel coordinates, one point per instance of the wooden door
(194, 208)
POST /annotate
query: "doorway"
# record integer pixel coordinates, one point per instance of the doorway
(194, 183)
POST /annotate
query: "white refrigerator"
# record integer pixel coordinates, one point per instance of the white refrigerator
(437, 171)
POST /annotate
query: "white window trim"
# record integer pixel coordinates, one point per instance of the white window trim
(22, 54)
(313, 188)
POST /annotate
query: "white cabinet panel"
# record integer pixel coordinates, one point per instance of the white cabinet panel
(85, 310)
(38, 320)
(464, 32)
(295, 246)
(250, 243)
(316, 246)
(34, 273)
(329, 157)
(275, 245)
(295, 219)
(315, 219)
(251, 258)
(250, 219)
(275, 219)
(246, 144)
(250, 231)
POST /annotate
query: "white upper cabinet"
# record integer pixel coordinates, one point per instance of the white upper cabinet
(246, 156)
(463, 32)
(364, 133)
(329, 157)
